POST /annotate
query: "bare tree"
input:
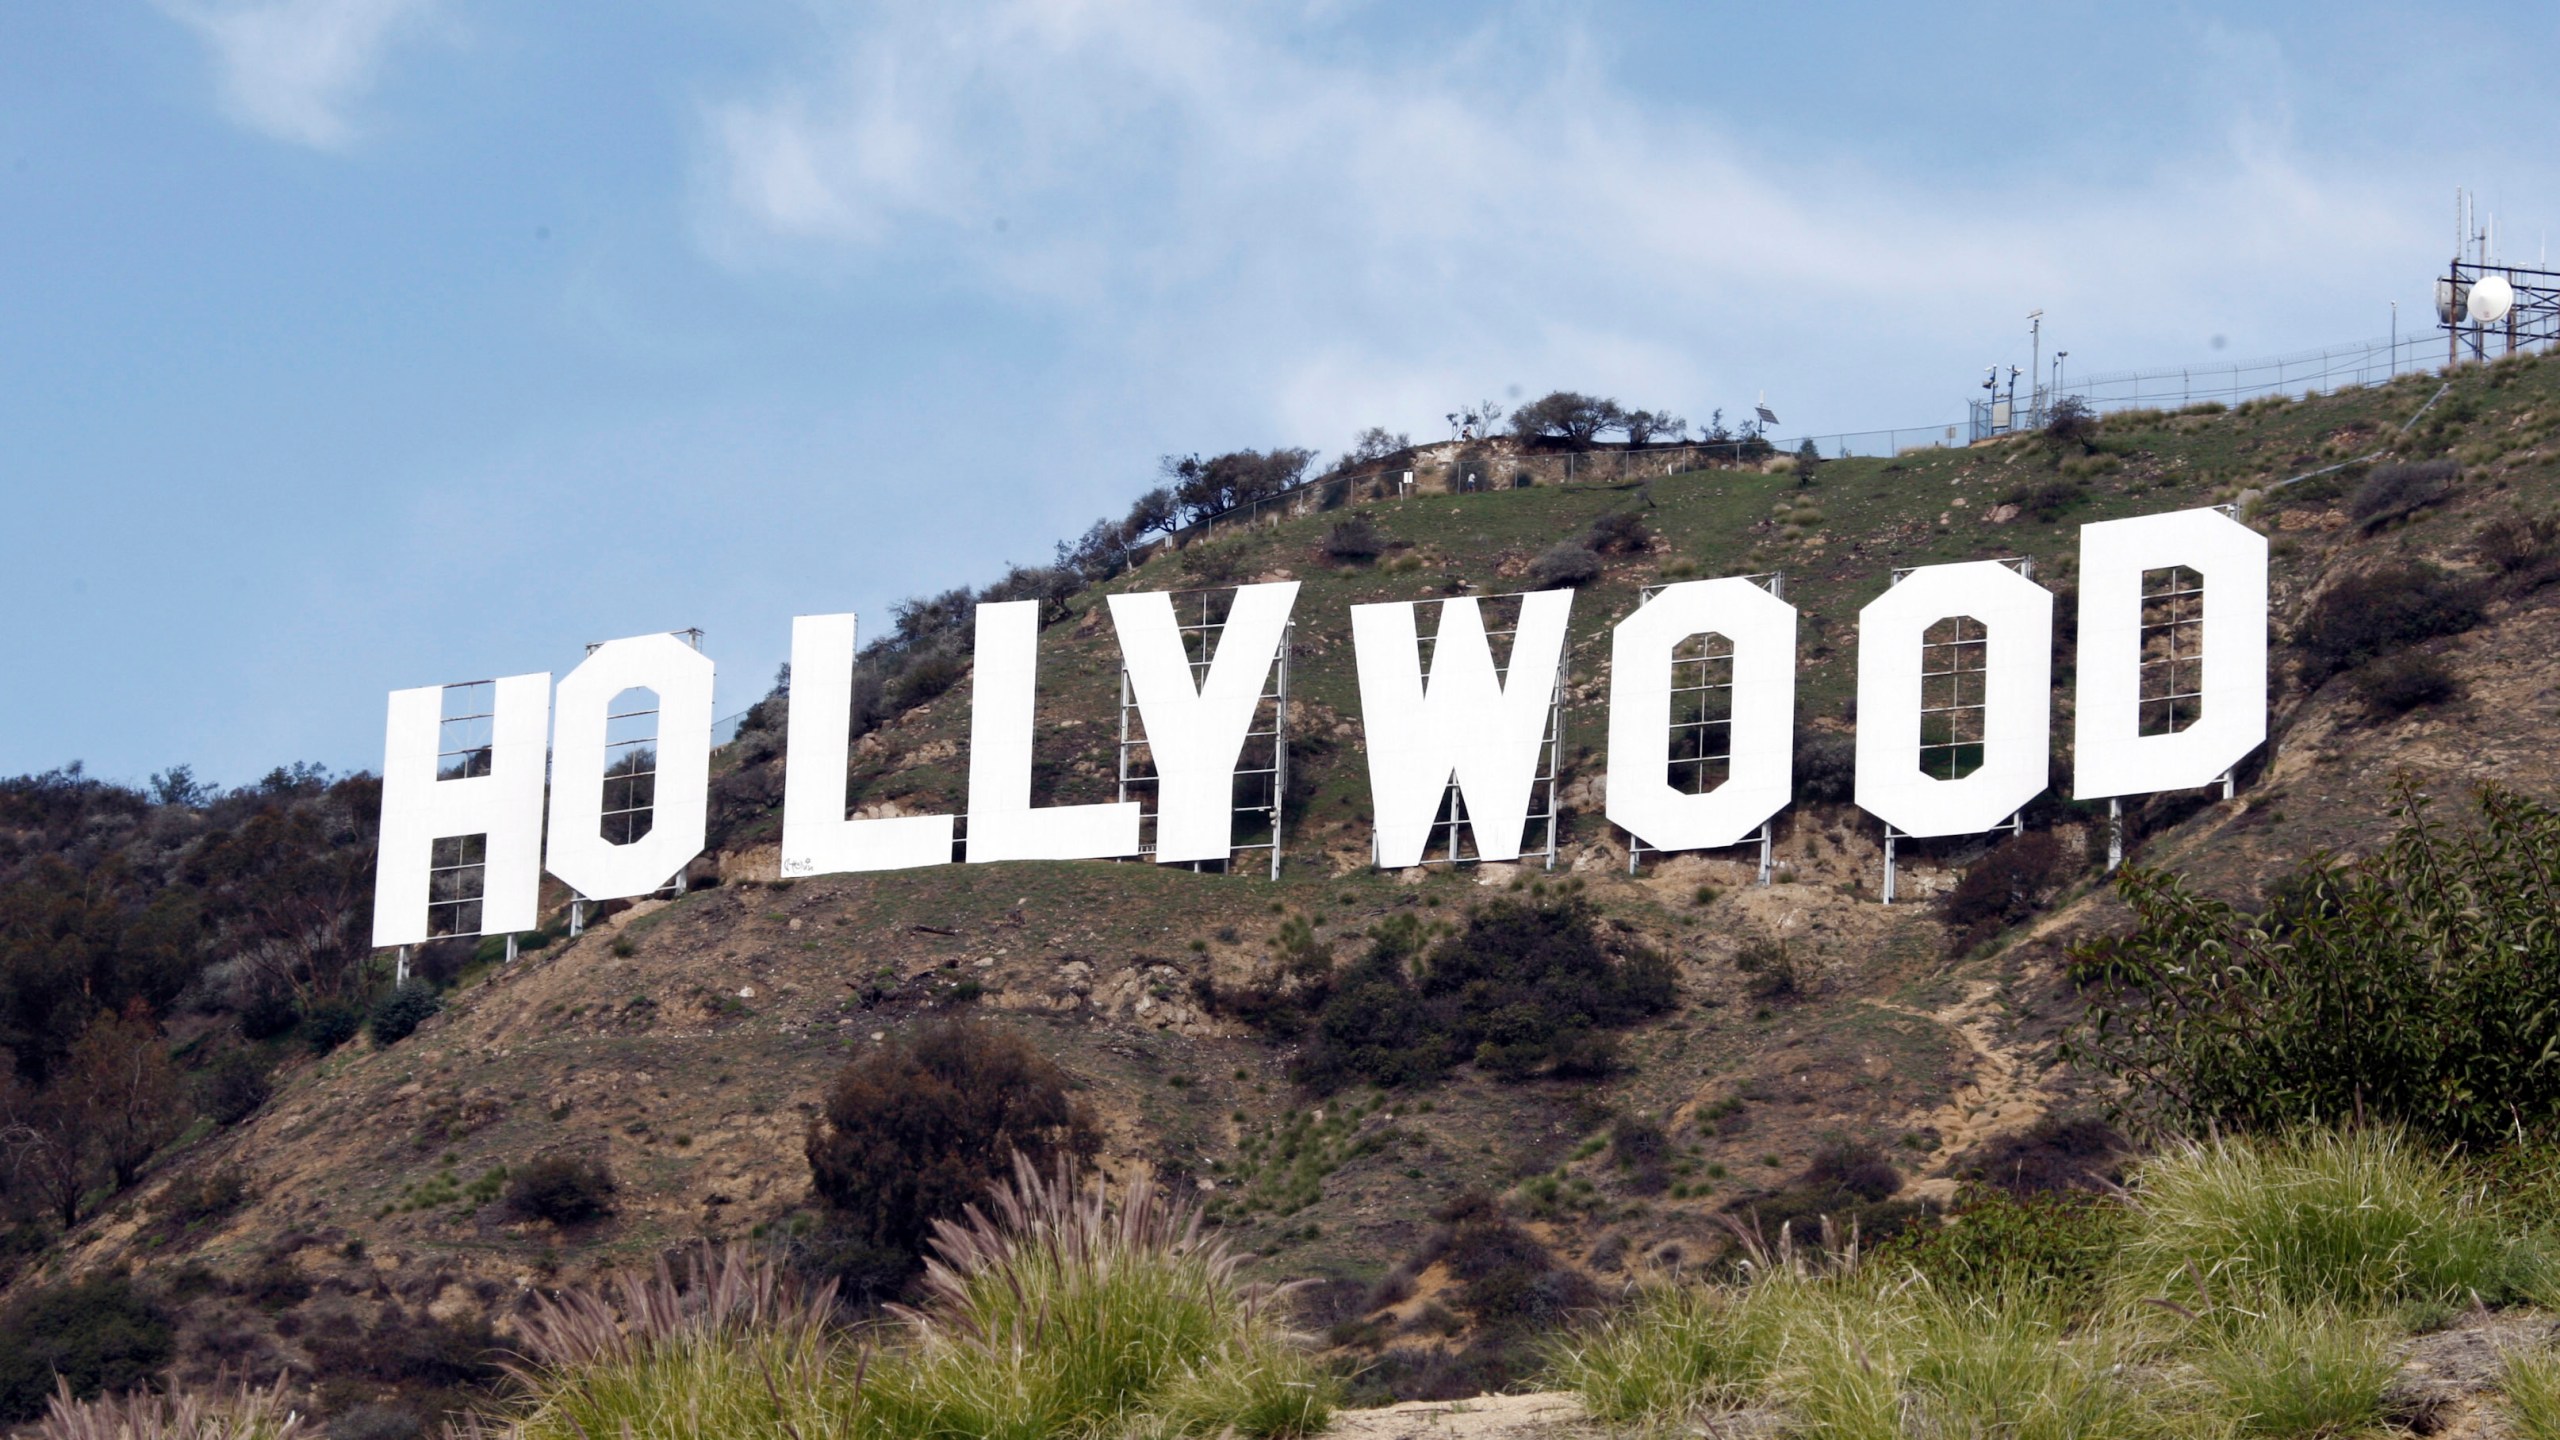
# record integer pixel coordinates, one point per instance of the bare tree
(121, 1075)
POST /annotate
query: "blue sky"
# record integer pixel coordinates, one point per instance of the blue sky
(354, 344)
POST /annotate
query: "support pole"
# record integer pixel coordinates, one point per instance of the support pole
(1765, 840)
(2115, 833)
(577, 917)
(400, 967)
(1279, 745)
(511, 947)
(1888, 864)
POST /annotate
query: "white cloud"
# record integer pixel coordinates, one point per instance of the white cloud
(293, 69)
(1215, 215)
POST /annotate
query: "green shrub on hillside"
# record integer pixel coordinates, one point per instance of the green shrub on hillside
(398, 1015)
(2419, 986)
(99, 1334)
(561, 1188)
(919, 1128)
(1524, 987)
(2365, 617)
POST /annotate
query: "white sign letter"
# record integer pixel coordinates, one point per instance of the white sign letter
(1760, 771)
(580, 855)
(1196, 728)
(2017, 721)
(1002, 824)
(419, 807)
(2110, 754)
(1483, 728)
(817, 839)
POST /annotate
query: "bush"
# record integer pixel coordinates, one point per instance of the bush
(2397, 491)
(2055, 1155)
(2529, 1393)
(1639, 1147)
(1826, 768)
(2005, 886)
(1526, 986)
(1566, 565)
(1354, 541)
(99, 1334)
(2072, 422)
(561, 1188)
(268, 1014)
(206, 1196)
(399, 1014)
(2516, 541)
(2301, 1372)
(2043, 1248)
(2313, 1011)
(2398, 684)
(1678, 1350)
(2365, 617)
(919, 1128)
(1620, 532)
(330, 1025)
(233, 1087)
(2047, 503)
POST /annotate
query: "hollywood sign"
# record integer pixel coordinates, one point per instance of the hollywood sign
(1461, 722)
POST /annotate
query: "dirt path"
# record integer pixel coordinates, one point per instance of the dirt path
(1999, 1095)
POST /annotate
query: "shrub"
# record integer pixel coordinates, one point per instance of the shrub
(2395, 491)
(1826, 767)
(208, 1195)
(2313, 1011)
(2365, 617)
(1565, 565)
(330, 1025)
(2046, 503)
(233, 1087)
(1354, 540)
(99, 1334)
(2356, 1219)
(2054, 1249)
(914, 1131)
(1770, 971)
(2004, 887)
(2398, 684)
(1639, 1147)
(2071, 422)
(2516, 541)
(399, 1014)
(268, 1014)
(1620, 532)
(2056, 1154)
(1525, 986)
(562, 1188)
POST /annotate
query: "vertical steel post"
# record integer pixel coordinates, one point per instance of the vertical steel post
(1280, 746)
(1888, 864)
(2115, 833)
(400, 967)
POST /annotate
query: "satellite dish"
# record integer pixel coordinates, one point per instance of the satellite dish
(2491, 299)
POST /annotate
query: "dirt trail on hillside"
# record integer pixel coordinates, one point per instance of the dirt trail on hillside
(1998, 1097)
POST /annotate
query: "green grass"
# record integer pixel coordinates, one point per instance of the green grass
(2357, 1219)
(1070, 1312)
(2300, 1372)
(2246, 1288)
(2529, 1393)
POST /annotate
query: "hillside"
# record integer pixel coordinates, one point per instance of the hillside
(686, 1043)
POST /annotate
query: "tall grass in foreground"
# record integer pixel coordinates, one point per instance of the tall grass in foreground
(2354, 1219)
(1066, 1312)
(2244, 1283)
(243, 1414)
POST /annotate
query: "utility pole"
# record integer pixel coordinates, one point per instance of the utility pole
(2035, 366)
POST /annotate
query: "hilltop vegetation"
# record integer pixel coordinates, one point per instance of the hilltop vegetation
(1469, 1104)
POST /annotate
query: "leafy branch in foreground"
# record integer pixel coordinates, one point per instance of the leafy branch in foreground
(2419, 986)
